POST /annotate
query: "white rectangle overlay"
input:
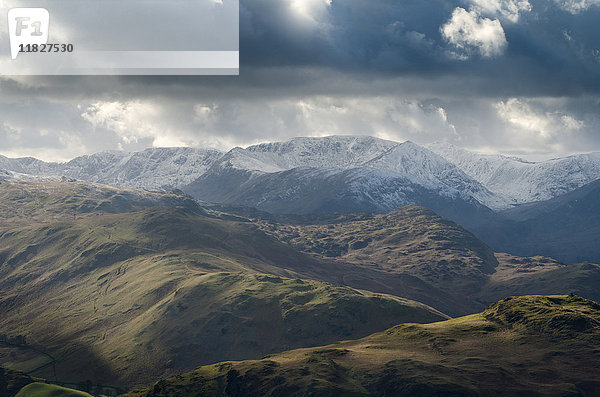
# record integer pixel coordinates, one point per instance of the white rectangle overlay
(112, 37)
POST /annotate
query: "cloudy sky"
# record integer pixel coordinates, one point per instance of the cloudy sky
(519, 77)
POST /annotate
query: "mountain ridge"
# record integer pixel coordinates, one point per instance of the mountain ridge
(523, 181)
(496, 181)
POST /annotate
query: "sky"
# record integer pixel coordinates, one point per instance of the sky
(518, 77)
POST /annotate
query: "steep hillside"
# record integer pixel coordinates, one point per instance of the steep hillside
(533, 345)
(343, 174)
(122, 299)
(566, 227)
(416, 242)
(312, 190)
(432, 170)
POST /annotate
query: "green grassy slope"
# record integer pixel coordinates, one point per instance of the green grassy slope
(121, 299)
(124, 292)
(45, 390)
(533, 345)
(414, 241)
(43, 202)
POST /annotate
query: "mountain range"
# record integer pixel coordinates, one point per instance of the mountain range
(496, 181)
(484, 193)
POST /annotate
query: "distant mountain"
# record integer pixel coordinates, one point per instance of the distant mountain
(153, 169)
(363, 174)
(341, 174)
(531, 345)
(566, 227)
(343, 152)
(519, 181)
(28, 165)
(495, 181)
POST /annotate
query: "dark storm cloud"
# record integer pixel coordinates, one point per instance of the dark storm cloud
(291, 49)
(515, 76)
(358, 36)
(550, 50)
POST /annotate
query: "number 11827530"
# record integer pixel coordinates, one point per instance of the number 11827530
(46, 48)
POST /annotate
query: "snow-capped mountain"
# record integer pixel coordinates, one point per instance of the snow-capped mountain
(413, 162)
(6, 175)
(305, 190)
(431, 170)
(328, 152)
(521, 181)
(497, 182)
(152, 169)
(28, 165)
(340, 174)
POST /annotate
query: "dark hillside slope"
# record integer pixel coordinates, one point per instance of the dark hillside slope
(566, 228)
(532, 345)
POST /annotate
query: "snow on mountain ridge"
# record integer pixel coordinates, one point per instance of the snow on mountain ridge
(418, 166)
(494, 180)
(153, 169)
(433, 170)
(521, 181)
(328, 152)
(150, 169)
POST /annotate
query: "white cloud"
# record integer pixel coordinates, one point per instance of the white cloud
(467, 30)
(505, 9)
(133, 121)
(576, 6)
(130, 120)
(385, 117)
(545, 124)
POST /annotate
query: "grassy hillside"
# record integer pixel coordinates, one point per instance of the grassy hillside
(122, 299)
(45, 390)
(533, 345)
(42, 202)
(121, 287)
(412, 240)
(416, 242)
